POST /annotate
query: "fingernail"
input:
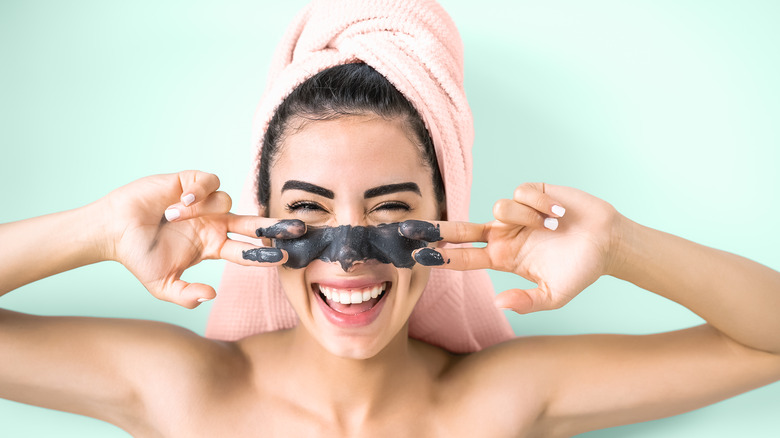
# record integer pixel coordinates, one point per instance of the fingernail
(201, 300)
(172, 214)
(420, 230)
(428, 257)
(188, 199)
(558, 210)
(284, 229)
(263, 255)
(551, 223)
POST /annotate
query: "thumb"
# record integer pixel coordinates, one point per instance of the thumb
(524, 300)
(188, 295)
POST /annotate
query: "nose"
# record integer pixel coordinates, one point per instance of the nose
(350, 246)
(352, 215)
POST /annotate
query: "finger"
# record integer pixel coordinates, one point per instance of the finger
(247, 254)
(515, 213)
(459, 259)
(196, 186)
(434, 231)
(188, 295)
(524, 301)
(534, 196)
(511, 212)
(215, 203)
(255, 226)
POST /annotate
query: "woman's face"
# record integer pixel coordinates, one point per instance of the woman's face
(354, 170)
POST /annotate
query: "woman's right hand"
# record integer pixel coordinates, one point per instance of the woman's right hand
(163, 224)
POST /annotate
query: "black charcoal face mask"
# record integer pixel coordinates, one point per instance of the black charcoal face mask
(348, 244)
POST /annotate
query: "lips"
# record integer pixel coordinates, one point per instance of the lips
(351, 305)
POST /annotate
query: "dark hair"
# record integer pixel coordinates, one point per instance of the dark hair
(349, 89)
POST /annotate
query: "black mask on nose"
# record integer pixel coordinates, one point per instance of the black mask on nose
(347, 244)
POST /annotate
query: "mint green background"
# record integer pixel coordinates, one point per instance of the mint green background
(667, 109)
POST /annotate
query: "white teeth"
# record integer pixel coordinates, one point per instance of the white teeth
(327, 292)
(352, 296)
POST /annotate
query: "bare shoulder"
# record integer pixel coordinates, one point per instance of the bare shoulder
(479, 385)
(565, 385)
(180, 373)
(132, 373)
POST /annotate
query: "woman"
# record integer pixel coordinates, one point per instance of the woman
(481, 381)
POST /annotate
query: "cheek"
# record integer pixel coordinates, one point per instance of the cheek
(294, 285)
(416, 279)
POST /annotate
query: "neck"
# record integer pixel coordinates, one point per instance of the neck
(345, 388)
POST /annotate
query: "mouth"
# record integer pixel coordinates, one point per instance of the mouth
(354, 306)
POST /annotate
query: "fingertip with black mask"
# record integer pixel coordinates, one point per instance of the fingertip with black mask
(347, 244)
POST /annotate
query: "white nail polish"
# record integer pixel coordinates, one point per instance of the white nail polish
(172, 214)
(551, 223)
(188, 199)
(200, 300)
(558, 210)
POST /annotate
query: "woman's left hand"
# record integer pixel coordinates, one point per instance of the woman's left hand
(562, 251)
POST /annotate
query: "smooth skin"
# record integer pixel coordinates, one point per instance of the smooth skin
(154, 379)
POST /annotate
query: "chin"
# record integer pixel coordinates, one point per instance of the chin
(351, 348)
(354, 314)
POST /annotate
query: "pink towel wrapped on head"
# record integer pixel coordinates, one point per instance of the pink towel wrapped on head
(416, 46)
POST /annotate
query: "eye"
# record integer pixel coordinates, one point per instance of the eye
(391, 211)
(393, 206)
(303, 207)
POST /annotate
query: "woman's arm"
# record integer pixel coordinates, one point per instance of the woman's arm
(627, 379)
(43, 246)
(130, 373)
(589, 382)
(737, 296)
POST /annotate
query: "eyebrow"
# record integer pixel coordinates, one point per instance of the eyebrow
(308, 187)
(392, 188)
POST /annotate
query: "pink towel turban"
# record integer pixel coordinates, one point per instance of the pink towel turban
(416, 46)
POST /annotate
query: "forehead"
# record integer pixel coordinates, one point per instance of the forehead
(347, 147)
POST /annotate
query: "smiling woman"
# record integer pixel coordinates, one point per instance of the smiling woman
(349, 366)
(410, 109)
(377, 153)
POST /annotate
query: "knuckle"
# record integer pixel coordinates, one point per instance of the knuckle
(528, 188)
(188, 176)
(500, 207)
(533, 217)
(223, 201)
(541, 203)
(460, 230)
(466, 258)
(208, 180)
(521, 191)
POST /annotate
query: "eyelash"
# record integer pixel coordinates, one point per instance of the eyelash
(312, 206)
(303, 205)
(394, 206)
